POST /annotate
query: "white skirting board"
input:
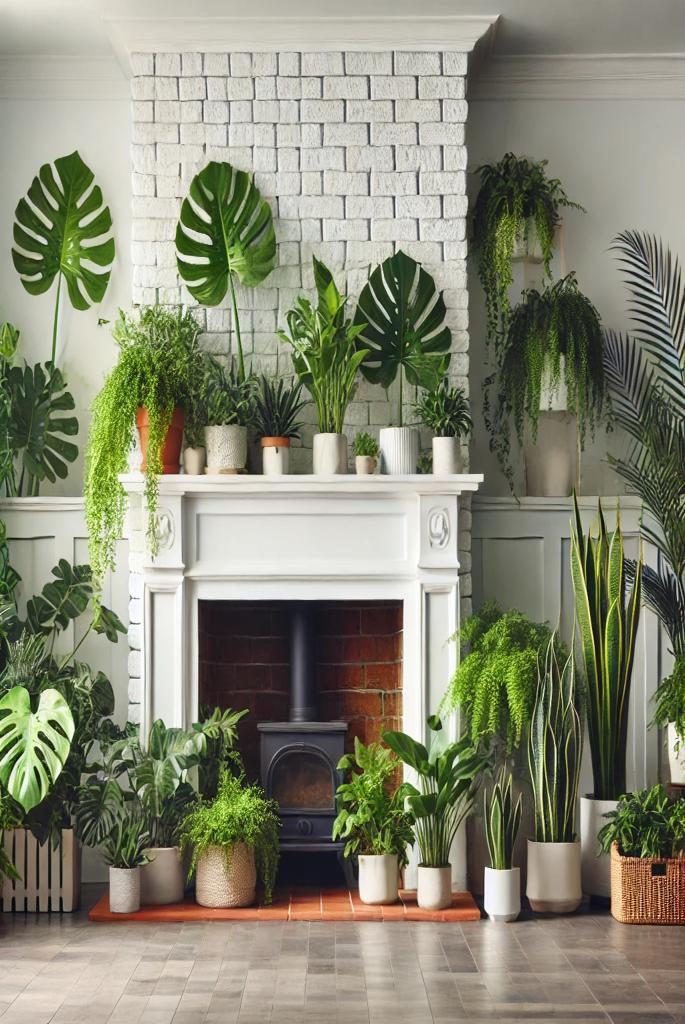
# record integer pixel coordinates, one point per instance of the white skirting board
(50, 877)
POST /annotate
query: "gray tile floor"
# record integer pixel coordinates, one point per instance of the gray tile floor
(574, 969)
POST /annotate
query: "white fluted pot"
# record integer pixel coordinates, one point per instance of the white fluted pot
(502, 893)
(329, 454)
(434, 887)
(676, 758)
(446, 456)
(379, 878)
(162, 879)
(553, 885)
(124, 890)
(226, 448)
(595, 865)
(399, 450)
(275, 456)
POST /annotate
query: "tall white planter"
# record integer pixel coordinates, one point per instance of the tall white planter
(552, 461)
(378, 878)
(554, 877)
(124, 890)
(162, 879)
(676, 759)
(446, 456)
(275, 456)
(502, 894)
(226, 448)
(399, 450)
(434, 889)
(595, 865)
(329, 454)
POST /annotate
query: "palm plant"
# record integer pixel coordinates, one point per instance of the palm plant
(502, 820)
(607, 616)
(277, 409)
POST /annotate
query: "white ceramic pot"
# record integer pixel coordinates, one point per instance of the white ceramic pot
(595, 865)
(676, 759)
(552, 462)
(527, 243)
(194, 461)
(446, 456)
(330, 454)
(399, 450)
(379, 878)
(226, 448)
(124, 890)
(502, 894)
(223, 881)
(365, 465)
(554, 877)
(162, 879)
(275, 456)
(434, 889)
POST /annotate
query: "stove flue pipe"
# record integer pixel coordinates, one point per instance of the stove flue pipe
(302, 662)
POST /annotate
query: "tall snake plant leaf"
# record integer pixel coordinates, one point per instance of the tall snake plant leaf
(34, 745)
(38, 429)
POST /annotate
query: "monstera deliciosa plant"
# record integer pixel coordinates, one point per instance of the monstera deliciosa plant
(225, 235)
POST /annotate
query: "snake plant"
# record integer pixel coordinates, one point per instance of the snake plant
(502, 820)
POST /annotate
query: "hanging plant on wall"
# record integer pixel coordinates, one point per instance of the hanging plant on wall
(225, 235)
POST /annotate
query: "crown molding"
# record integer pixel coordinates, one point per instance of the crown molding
(614, 76)
(62, 78)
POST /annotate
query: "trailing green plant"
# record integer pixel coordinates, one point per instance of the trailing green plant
(225, 235)
(227, 398)
(447, 773)
(513, 192)
(424, 466)
(324, 350)
(607, 615)
(158, 367)
(495, 683)
(365, 444)
(553, 340)
(670, 701)
(647, 823)
(278, 406)
(445, 410)
(403, 330)
(240, 813)
(502, 821)
(371, 817)
(555, 747)
(125, 845)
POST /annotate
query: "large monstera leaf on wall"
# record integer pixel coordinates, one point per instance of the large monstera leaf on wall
(34, 745)
(225, 234)
(38, 430)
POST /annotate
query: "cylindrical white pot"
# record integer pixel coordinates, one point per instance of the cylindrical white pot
(223, 881)
(446, 456)
(194, 461)
(162, 879)
(124, 890)
(365, 465)
(378, 878)
(399, 450)
(226, 448)
(554, 877)
(275, 456)
(330, 454)
(676, 760)
(595, 865)
(434, 889)
(502, 894)
(552, 462)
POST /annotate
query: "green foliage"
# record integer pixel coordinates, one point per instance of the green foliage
(371, 818)
(324, 350)
(425, 464)
(607, 617)
(445, 410)
(225, 234)
(158, 368)
(240, 813)
(8, 819)
(555, 747)
(125, 846)
(219, 731)
(645, 824)
(670, 701)
(447, 787)
(365, 444)
(495, 683)
(34, 743)
(502, 820)
(512, 192)
(277, 409)
(401, 316)
(226, 397)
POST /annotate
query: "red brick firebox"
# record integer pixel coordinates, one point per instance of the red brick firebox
(244, 663)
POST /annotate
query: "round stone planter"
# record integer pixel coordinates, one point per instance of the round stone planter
(554, 877)
(365, 465)
(124, 890)
(434, 889)
(595, 865)
(676, 758)
(446, 456)
(399, 450)
(162, 879)
(378, 879)
(502, 894)
(329, 454)
(275, 455)
(226, 448)
(194, 461)
(226, 881)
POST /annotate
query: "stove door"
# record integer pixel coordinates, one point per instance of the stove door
(302, 779)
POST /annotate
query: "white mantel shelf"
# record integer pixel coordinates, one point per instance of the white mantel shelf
(304, 484)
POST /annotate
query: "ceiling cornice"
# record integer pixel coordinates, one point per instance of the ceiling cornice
(62, 78)
(628, 76)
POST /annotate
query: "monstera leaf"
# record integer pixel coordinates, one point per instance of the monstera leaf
(62, 599)
(404, 314)
(34, 745)
(98, 810)
(38, 431)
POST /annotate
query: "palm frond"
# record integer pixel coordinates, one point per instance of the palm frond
(629, 376)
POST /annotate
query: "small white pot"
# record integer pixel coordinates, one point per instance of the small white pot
(365, 465)
(527, 243)
(223, 881)
(595, 865)
(329, 454)
(446, 456)
(194, 461)
(434, 889)
(502, 894)
(552, 461)
(162, 879)
(275, 456)
(124, 890)
(226, 448)
(676, 760)
(378, 878)
(554, 877)
(399, 450)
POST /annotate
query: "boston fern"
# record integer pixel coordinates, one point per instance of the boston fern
(277, 408)
(444, 410)
(645, 824)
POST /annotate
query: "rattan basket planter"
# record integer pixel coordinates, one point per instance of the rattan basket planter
(645, 891)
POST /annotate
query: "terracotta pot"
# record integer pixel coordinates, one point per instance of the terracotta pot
(275, 455)
(171, 449)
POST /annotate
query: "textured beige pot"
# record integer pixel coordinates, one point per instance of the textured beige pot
(329, 456)
(502, 899)
(124, 890)
(378, 878)
(595, 865)
(162, 879)
(554, 877)
(226, 448)
(223, 881)
(434, 889)
(365, 465)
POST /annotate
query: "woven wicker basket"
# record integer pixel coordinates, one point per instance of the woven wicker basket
(645, 891)
(223, 881)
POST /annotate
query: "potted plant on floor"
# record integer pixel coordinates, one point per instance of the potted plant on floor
(445, 411)
(366, 449)
(555, 747)
(607, 606)
(502, 880)
(123, 850)
(326, 359)
(277, 408)
(401, 317)
(372, 820)
(233, 839)
(670, 715)
(447, 773)
(230, 405)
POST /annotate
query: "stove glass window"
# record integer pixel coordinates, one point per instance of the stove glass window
(303, 779)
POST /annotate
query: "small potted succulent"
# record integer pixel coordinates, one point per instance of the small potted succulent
(277, 407)
(366, 449)
(123, 850)
(372, 820)
(230, 402)
(445, 411)
(502, 899)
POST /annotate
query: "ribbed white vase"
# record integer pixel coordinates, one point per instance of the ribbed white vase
(399, 450)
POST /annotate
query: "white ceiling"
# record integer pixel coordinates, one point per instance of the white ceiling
(76, 27)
